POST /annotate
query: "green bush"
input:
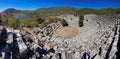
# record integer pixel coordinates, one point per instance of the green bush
(44, 24)
(81, 19)
(28, 22)
(4, 20)
(118, 11)
(40, 20)
(13, 23)
(52, 20)
(0, 19)
(64, 23)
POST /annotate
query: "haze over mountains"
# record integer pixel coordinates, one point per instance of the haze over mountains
(64, 10)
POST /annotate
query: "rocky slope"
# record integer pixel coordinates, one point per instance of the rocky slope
(97, 39)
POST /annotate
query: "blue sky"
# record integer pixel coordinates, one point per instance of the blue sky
(34, 4)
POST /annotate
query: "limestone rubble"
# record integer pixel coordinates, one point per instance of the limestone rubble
(97, 39)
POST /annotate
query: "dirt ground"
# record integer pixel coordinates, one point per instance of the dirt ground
(66, 32)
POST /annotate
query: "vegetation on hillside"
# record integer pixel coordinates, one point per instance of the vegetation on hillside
(53, 11)
(64, 23)
(40, 20)
(28, 22)
(44, 16)
(13, 23)
(81, 19)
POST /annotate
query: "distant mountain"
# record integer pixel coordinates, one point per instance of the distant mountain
(53, 9)
(12, 11)
(58, 11)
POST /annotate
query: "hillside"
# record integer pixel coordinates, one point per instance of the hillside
(10, 15)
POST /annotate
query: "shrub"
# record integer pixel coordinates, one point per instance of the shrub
(13, 23)
(4, 20)
(44, 24)
(52, 20)
(64, 23)
(28, 22)
(81, 19)
(118, 11)
(40, 20)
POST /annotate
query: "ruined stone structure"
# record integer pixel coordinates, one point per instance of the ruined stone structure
(97, 39)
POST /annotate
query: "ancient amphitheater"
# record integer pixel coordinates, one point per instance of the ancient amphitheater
(97, 39)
